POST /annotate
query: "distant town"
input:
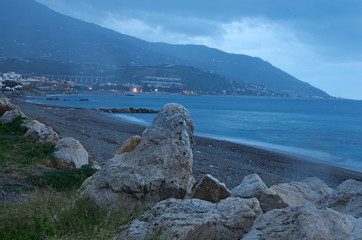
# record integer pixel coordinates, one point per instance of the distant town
(12, 81)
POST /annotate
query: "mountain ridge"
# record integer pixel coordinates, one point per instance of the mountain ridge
(60, 37)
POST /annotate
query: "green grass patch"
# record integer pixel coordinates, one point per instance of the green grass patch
(63, 180)
(54, 215)
(13, 128)
(23, 156)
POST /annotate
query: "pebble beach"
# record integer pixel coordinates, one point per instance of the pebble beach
(229, 162)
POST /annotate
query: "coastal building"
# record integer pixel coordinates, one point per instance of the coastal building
(31, 82)
(12, 76)
(162, 82)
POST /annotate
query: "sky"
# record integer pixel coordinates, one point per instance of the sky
(316, 41)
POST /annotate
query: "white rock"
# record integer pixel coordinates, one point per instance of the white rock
(39, 132)
(160, 167)
(195, 219)
(9, 116)
(305, 222)
(71, 151)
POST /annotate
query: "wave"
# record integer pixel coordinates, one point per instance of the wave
(306, 154)
(129, 119)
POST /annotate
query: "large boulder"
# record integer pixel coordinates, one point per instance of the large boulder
(10, 116)
(39, 131)
(251, 186)
(72, 152)
(305, 222)
(210, 189)
(160, 166)
(129, 145)
(346, 198)
(195, 219)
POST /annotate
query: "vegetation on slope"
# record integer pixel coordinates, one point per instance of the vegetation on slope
(50, 209)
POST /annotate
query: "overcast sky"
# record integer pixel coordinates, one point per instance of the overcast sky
(317, 41)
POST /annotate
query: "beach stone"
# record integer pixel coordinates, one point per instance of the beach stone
(195, 219)
(10, 116)
(311, 190)
(160, 167)
(270, 200)
(346, 198)
(210, 189)
(251, 186)
(305, 222)
(129, 145)
(72, 152)
(39, 132)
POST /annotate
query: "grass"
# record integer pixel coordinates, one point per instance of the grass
(23, 155)
(63, 180)
(52, 210)
(53, 215)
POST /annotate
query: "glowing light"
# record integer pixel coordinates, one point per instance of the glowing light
(156, 90)
(90, 88)
(134, 90)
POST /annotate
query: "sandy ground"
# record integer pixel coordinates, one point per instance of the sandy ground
(102, 135)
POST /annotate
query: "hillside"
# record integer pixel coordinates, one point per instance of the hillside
(31, 30)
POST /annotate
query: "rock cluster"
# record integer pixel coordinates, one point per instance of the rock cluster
(155, 170)
(128, 110)
(230, 218)
(305, 222)
(198, 219)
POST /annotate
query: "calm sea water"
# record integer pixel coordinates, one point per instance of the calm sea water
(322, 130)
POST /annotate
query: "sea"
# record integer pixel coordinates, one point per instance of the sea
(321, 130)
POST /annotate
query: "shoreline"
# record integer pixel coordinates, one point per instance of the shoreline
(227, 161)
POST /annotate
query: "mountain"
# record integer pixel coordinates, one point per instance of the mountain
(32, 30)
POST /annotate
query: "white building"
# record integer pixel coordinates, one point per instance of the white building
(12, 76)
